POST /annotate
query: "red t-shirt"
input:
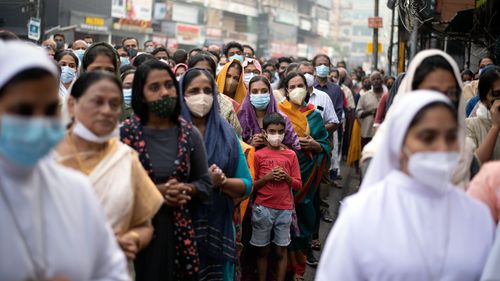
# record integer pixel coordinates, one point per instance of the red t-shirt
(277, 195)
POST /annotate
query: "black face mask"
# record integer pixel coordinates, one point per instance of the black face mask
(367, 86)
(59, 45)
(131, 52)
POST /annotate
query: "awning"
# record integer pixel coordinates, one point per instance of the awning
(462, 22)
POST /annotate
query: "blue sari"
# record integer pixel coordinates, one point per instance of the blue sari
(216, 240)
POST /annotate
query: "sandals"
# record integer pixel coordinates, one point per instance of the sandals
(316, 245)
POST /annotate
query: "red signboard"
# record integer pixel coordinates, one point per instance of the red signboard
(375, 22)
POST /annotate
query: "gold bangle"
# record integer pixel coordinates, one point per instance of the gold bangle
(137, 238)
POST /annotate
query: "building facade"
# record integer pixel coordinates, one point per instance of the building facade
(273, 27)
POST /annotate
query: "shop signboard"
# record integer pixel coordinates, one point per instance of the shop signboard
(132, 9)
(375, 22)
(188, 34)
(133, 25)
(34, 29)
(91, 23)
(160, 12)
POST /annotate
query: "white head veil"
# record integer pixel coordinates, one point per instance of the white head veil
(17, 56)
(387, 158)
(462, 173)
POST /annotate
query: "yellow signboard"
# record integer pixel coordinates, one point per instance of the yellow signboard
(96, 21)
(369, 48)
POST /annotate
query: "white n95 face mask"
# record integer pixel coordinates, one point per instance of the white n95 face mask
(298, 96)
(275, 140)
(200, 104)
(433, 169)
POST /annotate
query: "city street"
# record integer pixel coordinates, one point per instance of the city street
(190, 140)
(350, 184)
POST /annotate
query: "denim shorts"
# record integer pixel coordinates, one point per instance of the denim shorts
(265, 220)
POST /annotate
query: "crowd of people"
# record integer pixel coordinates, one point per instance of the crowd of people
(138, 162)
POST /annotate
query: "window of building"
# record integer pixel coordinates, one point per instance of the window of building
(304, 7)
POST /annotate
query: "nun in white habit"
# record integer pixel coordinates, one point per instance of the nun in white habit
(461, 174)
(51, 224)
(411, 223)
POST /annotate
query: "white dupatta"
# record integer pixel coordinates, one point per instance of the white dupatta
(112, 182)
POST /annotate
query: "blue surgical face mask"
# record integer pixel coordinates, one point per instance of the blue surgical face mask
(260, 101)
(322, 71)
(127, 96)
(25, 140)
(67, 74)
(237, 57)
(124, 61)
(79, 53)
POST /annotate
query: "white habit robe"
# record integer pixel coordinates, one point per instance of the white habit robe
(65, 229)
(401, 230)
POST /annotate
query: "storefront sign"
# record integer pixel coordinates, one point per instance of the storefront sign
(137, 9)
(119, 8)
(34, 29)
(160, 12)
(90, 22)
(96, 21)
(375, 22)
(188, 34)
(133, 25)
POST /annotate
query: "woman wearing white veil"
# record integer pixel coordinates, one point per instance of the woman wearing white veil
(432, 70)
(411, 223)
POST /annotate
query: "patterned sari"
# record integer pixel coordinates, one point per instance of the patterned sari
(312, 165)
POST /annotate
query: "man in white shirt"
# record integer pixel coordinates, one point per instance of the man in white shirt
(52, 226)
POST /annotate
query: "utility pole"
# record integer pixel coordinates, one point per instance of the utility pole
(375, 40)
(414, 40)
(41, 16)
(391, 44)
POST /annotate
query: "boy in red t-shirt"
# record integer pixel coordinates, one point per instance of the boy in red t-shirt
(277, 171)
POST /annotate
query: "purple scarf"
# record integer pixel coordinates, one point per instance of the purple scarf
(250, 124)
